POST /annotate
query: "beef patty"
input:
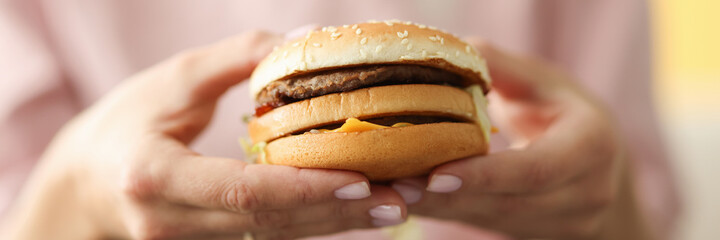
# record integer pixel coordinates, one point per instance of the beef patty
(315, 84)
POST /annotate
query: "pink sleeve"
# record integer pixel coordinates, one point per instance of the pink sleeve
(34, 98)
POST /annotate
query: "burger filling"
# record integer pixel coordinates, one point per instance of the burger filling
(356, 125)
(315, 84)
(282, 92)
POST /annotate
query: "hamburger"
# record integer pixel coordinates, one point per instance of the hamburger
(387, 99)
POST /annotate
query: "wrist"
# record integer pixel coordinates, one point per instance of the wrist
(49, 202)
(625, 219)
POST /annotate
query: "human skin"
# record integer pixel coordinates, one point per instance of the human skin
(123, 169)
(565, 175)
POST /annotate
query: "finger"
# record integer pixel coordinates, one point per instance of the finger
(589, 195)
(226, 184)
(323, 218)
(384, 206)
(568, 149)
(206, 72)
(164, 168)
(370, 214)
(177, 97)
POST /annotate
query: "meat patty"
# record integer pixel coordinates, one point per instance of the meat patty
(315, 84)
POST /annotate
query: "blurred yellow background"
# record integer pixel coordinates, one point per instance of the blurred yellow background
(686, 40)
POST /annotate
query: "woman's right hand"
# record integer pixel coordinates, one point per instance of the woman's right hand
(122, 168)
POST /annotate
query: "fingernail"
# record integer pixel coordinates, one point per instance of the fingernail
(411, 194)
(385, 223)
(300, 31)
(358, 190)
(386, 212)
(443, 183)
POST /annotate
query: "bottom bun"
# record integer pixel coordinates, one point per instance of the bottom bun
(382, 154)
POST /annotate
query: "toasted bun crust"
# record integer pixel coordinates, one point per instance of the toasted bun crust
(388, 42)
(411, 99)
(381, 154)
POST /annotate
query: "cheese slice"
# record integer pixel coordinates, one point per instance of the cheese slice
(355, 125)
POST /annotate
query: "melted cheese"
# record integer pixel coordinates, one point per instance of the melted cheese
(355, 125)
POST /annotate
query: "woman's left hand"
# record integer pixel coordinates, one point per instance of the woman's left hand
(564, 177)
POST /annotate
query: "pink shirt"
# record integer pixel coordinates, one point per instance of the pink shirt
(59, 56)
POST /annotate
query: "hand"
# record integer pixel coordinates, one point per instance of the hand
(565, 175)
(122, 169)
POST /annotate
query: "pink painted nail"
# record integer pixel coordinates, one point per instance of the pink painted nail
(444, 183)
(386, 212)
(358, 190)
(411, 194)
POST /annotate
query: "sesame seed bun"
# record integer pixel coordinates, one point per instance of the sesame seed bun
(449, 122)
(388, 42)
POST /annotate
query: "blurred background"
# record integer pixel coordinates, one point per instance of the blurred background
(687, 92)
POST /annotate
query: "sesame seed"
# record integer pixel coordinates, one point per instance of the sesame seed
(373, 21)
(354, 26)
(432, 38)
(335, 35)
(358, 31)
(432, 28)
(404, 41)
(422, 26)
(362, 54)
(296, 44)
(402, 34)
(346, 26)
(363, 41)
(378, 48)
(274, 58)
(442, 41)
(424, 53)
(440, 53)
(388, 23)
(317, 44)
(332, 29)
(408, 22)
(409, 47)
(467, 48)
(324, 29)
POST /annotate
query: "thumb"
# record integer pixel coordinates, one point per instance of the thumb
(178, 96)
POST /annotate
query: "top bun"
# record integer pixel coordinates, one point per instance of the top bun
(387, 42)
